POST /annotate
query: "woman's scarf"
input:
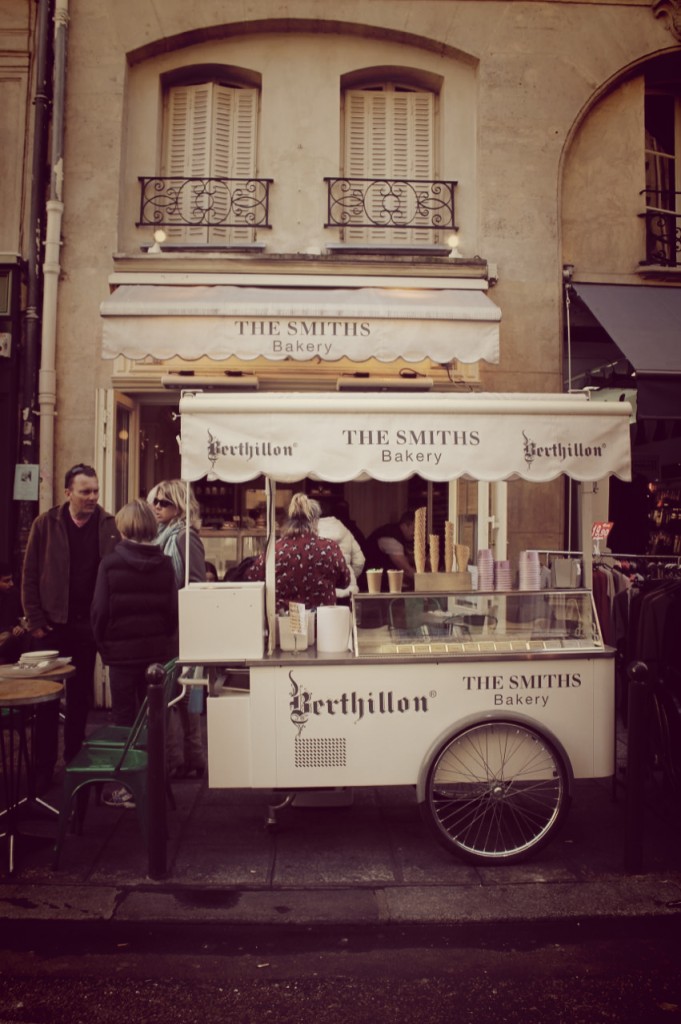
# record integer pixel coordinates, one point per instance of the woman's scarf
(166, 539)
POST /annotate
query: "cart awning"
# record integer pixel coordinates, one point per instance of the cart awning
(644, 322)
(220, 321)
(338, 437)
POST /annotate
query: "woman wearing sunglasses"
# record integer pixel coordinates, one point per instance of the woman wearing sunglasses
(169, 501)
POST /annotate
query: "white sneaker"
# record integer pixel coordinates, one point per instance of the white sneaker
(119, 798)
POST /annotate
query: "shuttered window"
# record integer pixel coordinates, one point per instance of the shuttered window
(663, 178)
(389, 135)
(211, 132)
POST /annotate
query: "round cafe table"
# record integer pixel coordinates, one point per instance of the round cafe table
(18, 698)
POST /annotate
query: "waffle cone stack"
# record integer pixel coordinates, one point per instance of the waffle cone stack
(449, 546)
(434, 551)
(463, 553)
(420, 539)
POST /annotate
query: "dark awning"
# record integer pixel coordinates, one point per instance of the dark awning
(644, 322)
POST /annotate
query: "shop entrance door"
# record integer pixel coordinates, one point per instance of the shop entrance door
(117, 449)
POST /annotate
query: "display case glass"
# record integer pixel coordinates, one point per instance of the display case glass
(475, 622)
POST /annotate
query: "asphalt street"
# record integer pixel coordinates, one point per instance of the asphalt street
(552, 974)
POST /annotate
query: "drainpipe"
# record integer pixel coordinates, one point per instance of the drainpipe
(31, 354)
(47, 380)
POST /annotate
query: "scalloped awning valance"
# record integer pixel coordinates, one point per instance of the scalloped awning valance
(248, 322)
(338, 437)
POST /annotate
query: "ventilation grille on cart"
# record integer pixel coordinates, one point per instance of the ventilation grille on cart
(322, 753)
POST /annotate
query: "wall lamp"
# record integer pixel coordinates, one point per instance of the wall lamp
(159, 237)
(367, 382)
(229, 381)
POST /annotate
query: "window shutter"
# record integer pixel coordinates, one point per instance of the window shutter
(421, 164)
(389, 135)
(211, 133)
(234, 142)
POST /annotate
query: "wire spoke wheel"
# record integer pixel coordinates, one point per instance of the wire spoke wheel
(495, 792)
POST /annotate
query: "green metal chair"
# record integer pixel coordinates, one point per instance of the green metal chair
(117, 735)
(113, 754)
(124, 766)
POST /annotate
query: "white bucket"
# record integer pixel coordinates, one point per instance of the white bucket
(333, 628)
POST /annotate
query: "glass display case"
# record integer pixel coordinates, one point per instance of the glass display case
(475, 623)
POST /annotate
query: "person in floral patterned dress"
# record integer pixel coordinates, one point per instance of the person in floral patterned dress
(308, 567)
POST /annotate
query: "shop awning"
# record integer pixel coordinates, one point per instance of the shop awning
(338, 437)
(220, 321)
(644, 322)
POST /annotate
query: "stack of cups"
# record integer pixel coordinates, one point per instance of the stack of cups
(395, 579)
(529, 574)
(374, 580)
(485, 569)
(502, 575)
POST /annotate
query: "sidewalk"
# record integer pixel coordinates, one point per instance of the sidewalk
(372, 863)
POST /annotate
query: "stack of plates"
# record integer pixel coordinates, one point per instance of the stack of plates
(502, 575)
(485, 569)
(529, 574)
(37, 662)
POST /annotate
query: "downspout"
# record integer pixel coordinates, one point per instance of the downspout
(31, 348)
(47, 380)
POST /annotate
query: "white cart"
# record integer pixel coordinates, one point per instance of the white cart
(490, 703)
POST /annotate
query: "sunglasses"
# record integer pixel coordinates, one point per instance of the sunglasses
(163, 503)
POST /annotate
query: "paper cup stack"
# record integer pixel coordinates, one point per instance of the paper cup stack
(529, 572)
(485, 569)
(502, 575)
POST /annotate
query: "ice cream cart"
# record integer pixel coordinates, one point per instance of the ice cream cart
(490, 702)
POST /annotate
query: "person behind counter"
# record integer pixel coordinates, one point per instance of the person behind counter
(392, 547)
(332, 527)
(211, 573)
(169, 502)
(308, 568)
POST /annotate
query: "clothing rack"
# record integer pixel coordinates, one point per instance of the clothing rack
(640, 557)
(608, 560)
(559, 551)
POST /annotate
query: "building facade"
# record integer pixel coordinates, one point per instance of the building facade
(18, 128)
(296, 195)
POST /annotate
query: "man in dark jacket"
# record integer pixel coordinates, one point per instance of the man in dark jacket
(65, 547)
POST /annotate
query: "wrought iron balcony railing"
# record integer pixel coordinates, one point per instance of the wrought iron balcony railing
(390, 203)
(663, 228)
(205, 202)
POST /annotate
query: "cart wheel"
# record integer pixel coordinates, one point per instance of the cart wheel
(496, 792)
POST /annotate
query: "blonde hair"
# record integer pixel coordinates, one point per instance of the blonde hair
(303, 516)
(176, 491)
(136, 521)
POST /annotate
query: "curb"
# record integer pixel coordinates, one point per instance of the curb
(631, 897)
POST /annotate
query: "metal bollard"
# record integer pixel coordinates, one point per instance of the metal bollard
(156, 773)
(637, 756)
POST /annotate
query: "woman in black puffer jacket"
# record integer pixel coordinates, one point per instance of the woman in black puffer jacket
(134, 609)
